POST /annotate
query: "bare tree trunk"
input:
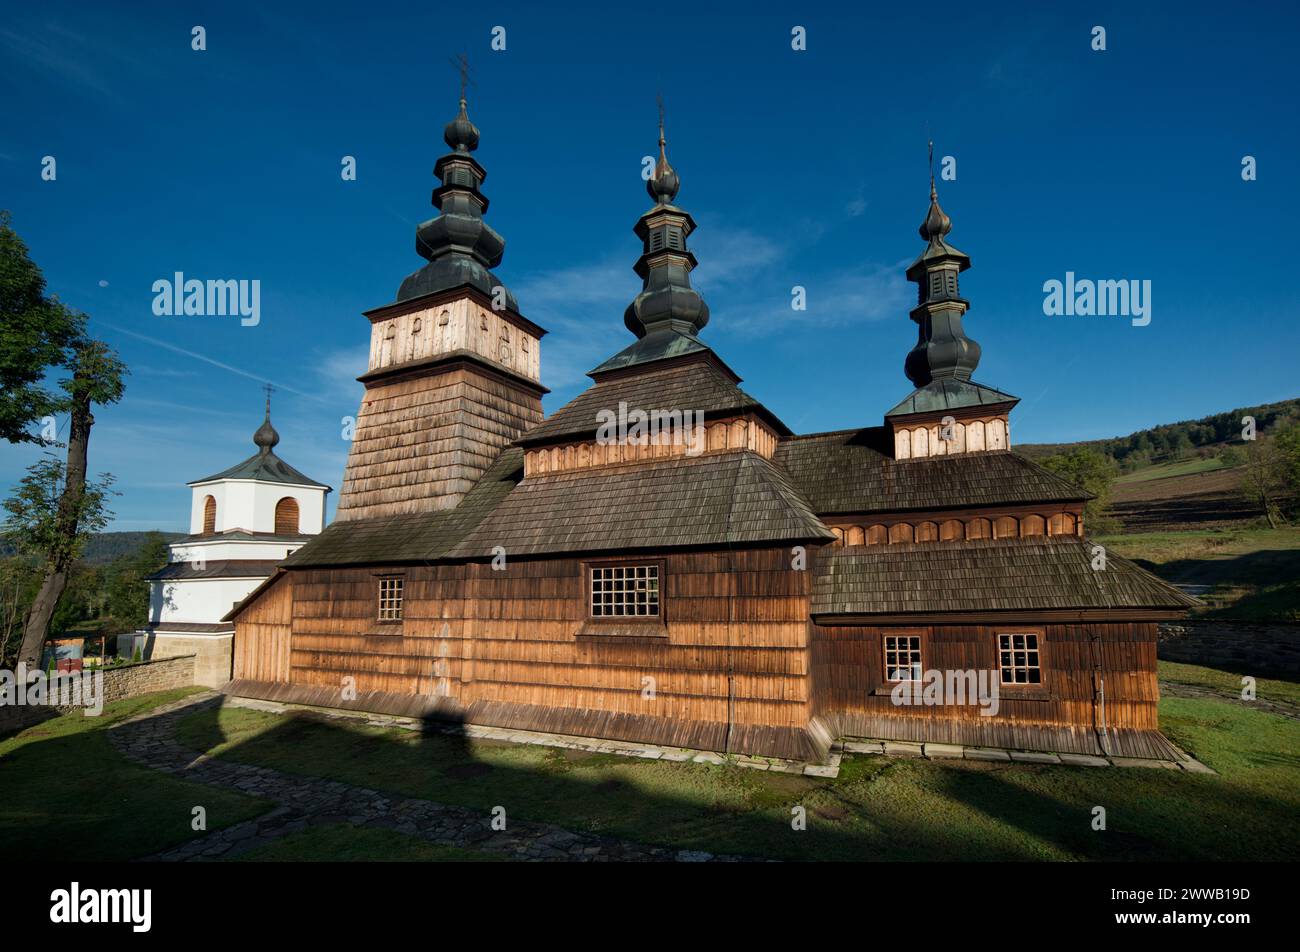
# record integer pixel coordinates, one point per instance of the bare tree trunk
(37, 628)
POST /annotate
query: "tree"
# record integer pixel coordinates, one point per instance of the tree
(126, 589)
(57, 530)
(1263, 480)
(1093, 472)
(37, 334)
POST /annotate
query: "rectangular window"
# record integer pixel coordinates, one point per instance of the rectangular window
(625, 591)
(902, 657)
(1018, 658)
(390, 598)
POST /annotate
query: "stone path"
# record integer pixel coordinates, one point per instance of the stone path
(301, 802)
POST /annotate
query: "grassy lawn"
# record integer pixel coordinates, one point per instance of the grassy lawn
(66, 793)
(1253, 574)
(877, 809)
(342, 843)
(1282, 692)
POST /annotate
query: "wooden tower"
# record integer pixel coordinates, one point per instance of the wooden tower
(454, 369)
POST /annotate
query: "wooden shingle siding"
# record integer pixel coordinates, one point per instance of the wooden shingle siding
(736, 649)
(852, 472)
(700, 386)
(848, 672)
(422, 442)
(972, 576)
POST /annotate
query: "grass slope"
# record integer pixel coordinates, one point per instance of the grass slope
(67, 794)
(339, 842)
(1251, 574)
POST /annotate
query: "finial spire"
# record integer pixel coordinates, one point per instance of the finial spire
(266, 438)
(942, 350)
(664, 183)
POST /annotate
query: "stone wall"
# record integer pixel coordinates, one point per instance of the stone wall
(1239, 647)
(122, 682)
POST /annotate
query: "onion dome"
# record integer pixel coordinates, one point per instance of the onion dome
(942, 349)
(664, 183)
(460, 247)
(460, 133)
(266, 437)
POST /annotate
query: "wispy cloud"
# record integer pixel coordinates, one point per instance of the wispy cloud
(207, 360)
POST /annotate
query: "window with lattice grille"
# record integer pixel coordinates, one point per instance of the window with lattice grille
(903, 657)
(390, 598)
(625, 591)
(1019, 659)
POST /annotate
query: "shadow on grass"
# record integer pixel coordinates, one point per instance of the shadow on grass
(877, 810)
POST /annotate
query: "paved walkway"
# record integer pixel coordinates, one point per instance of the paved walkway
(302, 802)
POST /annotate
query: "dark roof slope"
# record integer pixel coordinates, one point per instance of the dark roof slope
(849, 472)
(264, 466)
(950, 393)
(982, 575)
(729, 498)
(698, 386)
(415, 537)
(224, 568)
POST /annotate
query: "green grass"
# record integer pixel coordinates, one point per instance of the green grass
(1184, 467)
(1281, 692)
(878, 808)
(1253, 574)
(66, 793)
(339, 842)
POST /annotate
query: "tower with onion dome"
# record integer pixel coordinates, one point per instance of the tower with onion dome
(948, 412)
(454, 369)
(243, 521)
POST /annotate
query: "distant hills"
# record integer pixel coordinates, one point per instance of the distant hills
(1175, 441)
(104, 547)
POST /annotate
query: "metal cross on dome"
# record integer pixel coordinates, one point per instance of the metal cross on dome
(460, 62)
(268, 390)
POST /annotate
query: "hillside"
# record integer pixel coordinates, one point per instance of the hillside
(104, 547)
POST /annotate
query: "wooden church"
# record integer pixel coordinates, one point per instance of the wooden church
(726, 585)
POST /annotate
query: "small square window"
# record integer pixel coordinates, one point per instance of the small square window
(625, 591)
(1019, 659)
(390, 598)
(902, 657)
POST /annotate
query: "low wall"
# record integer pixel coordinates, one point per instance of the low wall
(121, 682)
(1239, 647)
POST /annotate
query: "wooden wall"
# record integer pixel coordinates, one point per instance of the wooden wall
(421, 442)
(510, 647)
(852, 694)
(262, 634)
(741, 667)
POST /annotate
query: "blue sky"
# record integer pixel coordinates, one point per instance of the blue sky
(801, 168)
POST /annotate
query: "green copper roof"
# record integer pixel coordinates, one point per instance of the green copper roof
(949, 393)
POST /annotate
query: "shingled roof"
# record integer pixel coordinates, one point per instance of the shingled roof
(415, 537)
(699, 385)
(982, 575)
(730, 498)
(849, 472)
(223, 568)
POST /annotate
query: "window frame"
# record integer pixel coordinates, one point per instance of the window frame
(656, 621)
(1009, 631)
(380, 579)
(922, 651)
